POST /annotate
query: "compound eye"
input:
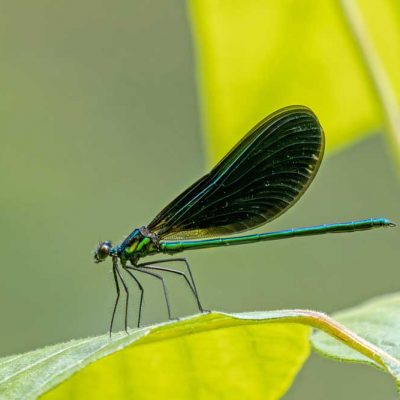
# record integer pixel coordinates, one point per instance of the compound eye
(103, 251)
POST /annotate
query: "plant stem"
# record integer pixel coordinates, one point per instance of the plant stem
(375, 71)
(333, 328)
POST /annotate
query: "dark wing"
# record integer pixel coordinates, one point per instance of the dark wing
(259, 179)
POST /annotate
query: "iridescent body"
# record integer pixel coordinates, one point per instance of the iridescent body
(258, 180)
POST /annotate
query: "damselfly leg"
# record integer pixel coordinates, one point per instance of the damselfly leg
(191, 283)
(142, 270)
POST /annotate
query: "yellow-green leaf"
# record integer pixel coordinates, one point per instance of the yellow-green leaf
(213, 356)
(340, 58)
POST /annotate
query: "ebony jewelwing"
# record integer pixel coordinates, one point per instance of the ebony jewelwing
(258, 180)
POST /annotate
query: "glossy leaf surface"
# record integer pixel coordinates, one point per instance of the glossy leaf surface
(213, 356)
(256, 56)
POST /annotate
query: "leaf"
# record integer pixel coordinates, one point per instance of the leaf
(212, 356)
(338, 58)
(248, 355)
(378, 322)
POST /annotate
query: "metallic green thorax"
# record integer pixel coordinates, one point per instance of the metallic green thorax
(144, 246)
(140, 249)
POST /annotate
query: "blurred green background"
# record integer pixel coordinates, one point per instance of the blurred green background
(100, 128)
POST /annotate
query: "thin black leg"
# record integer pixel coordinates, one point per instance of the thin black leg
(163, 283)
(127, 297)
(180, 273)
(117, 299)
(192, 286)
(141, 294)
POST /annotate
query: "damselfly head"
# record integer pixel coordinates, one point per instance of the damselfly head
(102, 251)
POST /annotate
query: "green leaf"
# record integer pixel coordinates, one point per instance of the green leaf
(378, 322)
(212, 356)
(340, 58)
(248, 355)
